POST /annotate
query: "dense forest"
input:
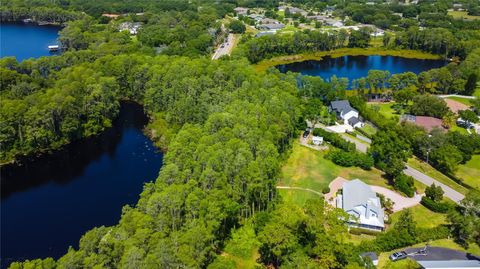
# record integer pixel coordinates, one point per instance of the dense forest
(233, 128)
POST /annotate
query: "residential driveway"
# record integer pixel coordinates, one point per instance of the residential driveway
(334, 186)
(449, 192)
(441, 254)
(340, 128)
(361, 146)
(400, 202)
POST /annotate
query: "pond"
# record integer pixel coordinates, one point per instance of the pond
(48, 203)
(354, 67)
(27, 40)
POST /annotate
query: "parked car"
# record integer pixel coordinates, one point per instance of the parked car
(398, 256)
(306, 133)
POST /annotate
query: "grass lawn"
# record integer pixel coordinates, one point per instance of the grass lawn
(356, 239)
(462, 15)
(385, 109)
(432, 172)
(385, 263)
(470, 172)
(459, 129)
(424, 217)
(464, 101)
(477, 90)
(307, 168)
(369, 129)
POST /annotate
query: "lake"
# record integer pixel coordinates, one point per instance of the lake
(354, 67)
(27, 40)
(48, 203)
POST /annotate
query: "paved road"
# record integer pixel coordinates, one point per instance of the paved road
(299, 188)
(457, 95)
(225, 48)
(417, 175)
(449, 192)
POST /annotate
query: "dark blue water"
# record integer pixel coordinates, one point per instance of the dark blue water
(49, 203)
(354, 67)
(26, 40)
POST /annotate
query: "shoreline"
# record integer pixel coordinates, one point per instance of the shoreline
(287, 59)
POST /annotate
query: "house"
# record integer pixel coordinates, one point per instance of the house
(362, 203)
(110, 15)
(256, 17)
(345, 112)
(131, 27)
(453, 264)
(428, 123)
(241, 11)
(271, 26)
(317, 140)
(264, 33)
(269, 21)
(371, 256)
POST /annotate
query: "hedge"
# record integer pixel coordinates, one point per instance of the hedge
(348, 159)
(440, 207)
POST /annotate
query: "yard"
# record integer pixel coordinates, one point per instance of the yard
(307, 168)
(462, 15)
(385, 109)
(470, 172)
(424, 217)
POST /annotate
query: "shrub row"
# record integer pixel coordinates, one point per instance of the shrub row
(335, 139)
(348, 159)
(440, 207)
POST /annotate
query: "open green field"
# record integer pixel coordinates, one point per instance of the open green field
(424, 217)
(470, 172)
(307, 168)
(462, 15)
(265, 64)
(385, 109)
(432, 172)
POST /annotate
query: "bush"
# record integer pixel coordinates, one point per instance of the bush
(335, 139)
(440, 207)
(348, 159)
(429, 234)
(326, 190)
(405, 184)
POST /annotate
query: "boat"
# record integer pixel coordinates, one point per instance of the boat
(53, 47)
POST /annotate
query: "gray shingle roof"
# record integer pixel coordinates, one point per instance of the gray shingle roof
(341, 106)
(353, 120)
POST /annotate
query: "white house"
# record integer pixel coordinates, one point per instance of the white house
(361, 202)
(345, 112)
(131, 27)
(317, 140)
